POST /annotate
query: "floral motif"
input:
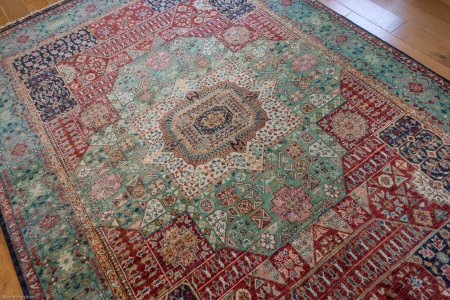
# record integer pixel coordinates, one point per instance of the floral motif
(243, 294)
(410, 281)
(227, 196)
(304, 63)
(292, 204)
(446, 271)
(55, 52)
(244, 206)
(160, 6)
(22, 39)
(65, 261)
(159, 60)
(97, 116)
(183, 291)
(289, 263)
(331, 191)
(49, 222)
(237, 37)
(206, 205)
(435, 253)
(351, 212)
(50, 95)
(106, 186)
(267, 241)
(349, 126)
(419, 146)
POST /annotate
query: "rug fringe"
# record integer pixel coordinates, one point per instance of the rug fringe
(33, 14)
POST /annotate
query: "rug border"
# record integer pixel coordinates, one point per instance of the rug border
(13, 256)
(343, 20)
(9, 243)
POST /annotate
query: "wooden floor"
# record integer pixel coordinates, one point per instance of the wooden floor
(420, 28)
(9, 284)
(11, 10)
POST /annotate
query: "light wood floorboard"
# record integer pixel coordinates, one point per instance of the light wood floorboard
(9, 283)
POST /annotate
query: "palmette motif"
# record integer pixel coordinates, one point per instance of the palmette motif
(218, 150)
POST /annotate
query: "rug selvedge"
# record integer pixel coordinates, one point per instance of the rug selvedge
(302, 204)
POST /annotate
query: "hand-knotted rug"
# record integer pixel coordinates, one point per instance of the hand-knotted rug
(220, 149)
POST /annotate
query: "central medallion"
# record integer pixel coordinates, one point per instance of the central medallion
(212, 122)
(211, 126)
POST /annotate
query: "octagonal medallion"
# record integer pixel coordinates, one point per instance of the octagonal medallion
(211, 126)
(213, 122)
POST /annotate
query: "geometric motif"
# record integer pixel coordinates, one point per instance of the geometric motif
(435, 255)
(429, 189)
(408, 281)
(261, 218)
(364, 160)
(237, 37)
(419, 146)
(392, 196)
(326, 239)
(137, 262)
(289, 264)
(292, 204)
(119, 21)
(70, 140)
(218, 221)
(159, 268)
(153, 210)
(82, 70)
(351, 212)
(96, 116)
(363, 259)
(222, 272)
(179, 246)
(106, 186)
(213, 120)
(348, 125)
(367, 100)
